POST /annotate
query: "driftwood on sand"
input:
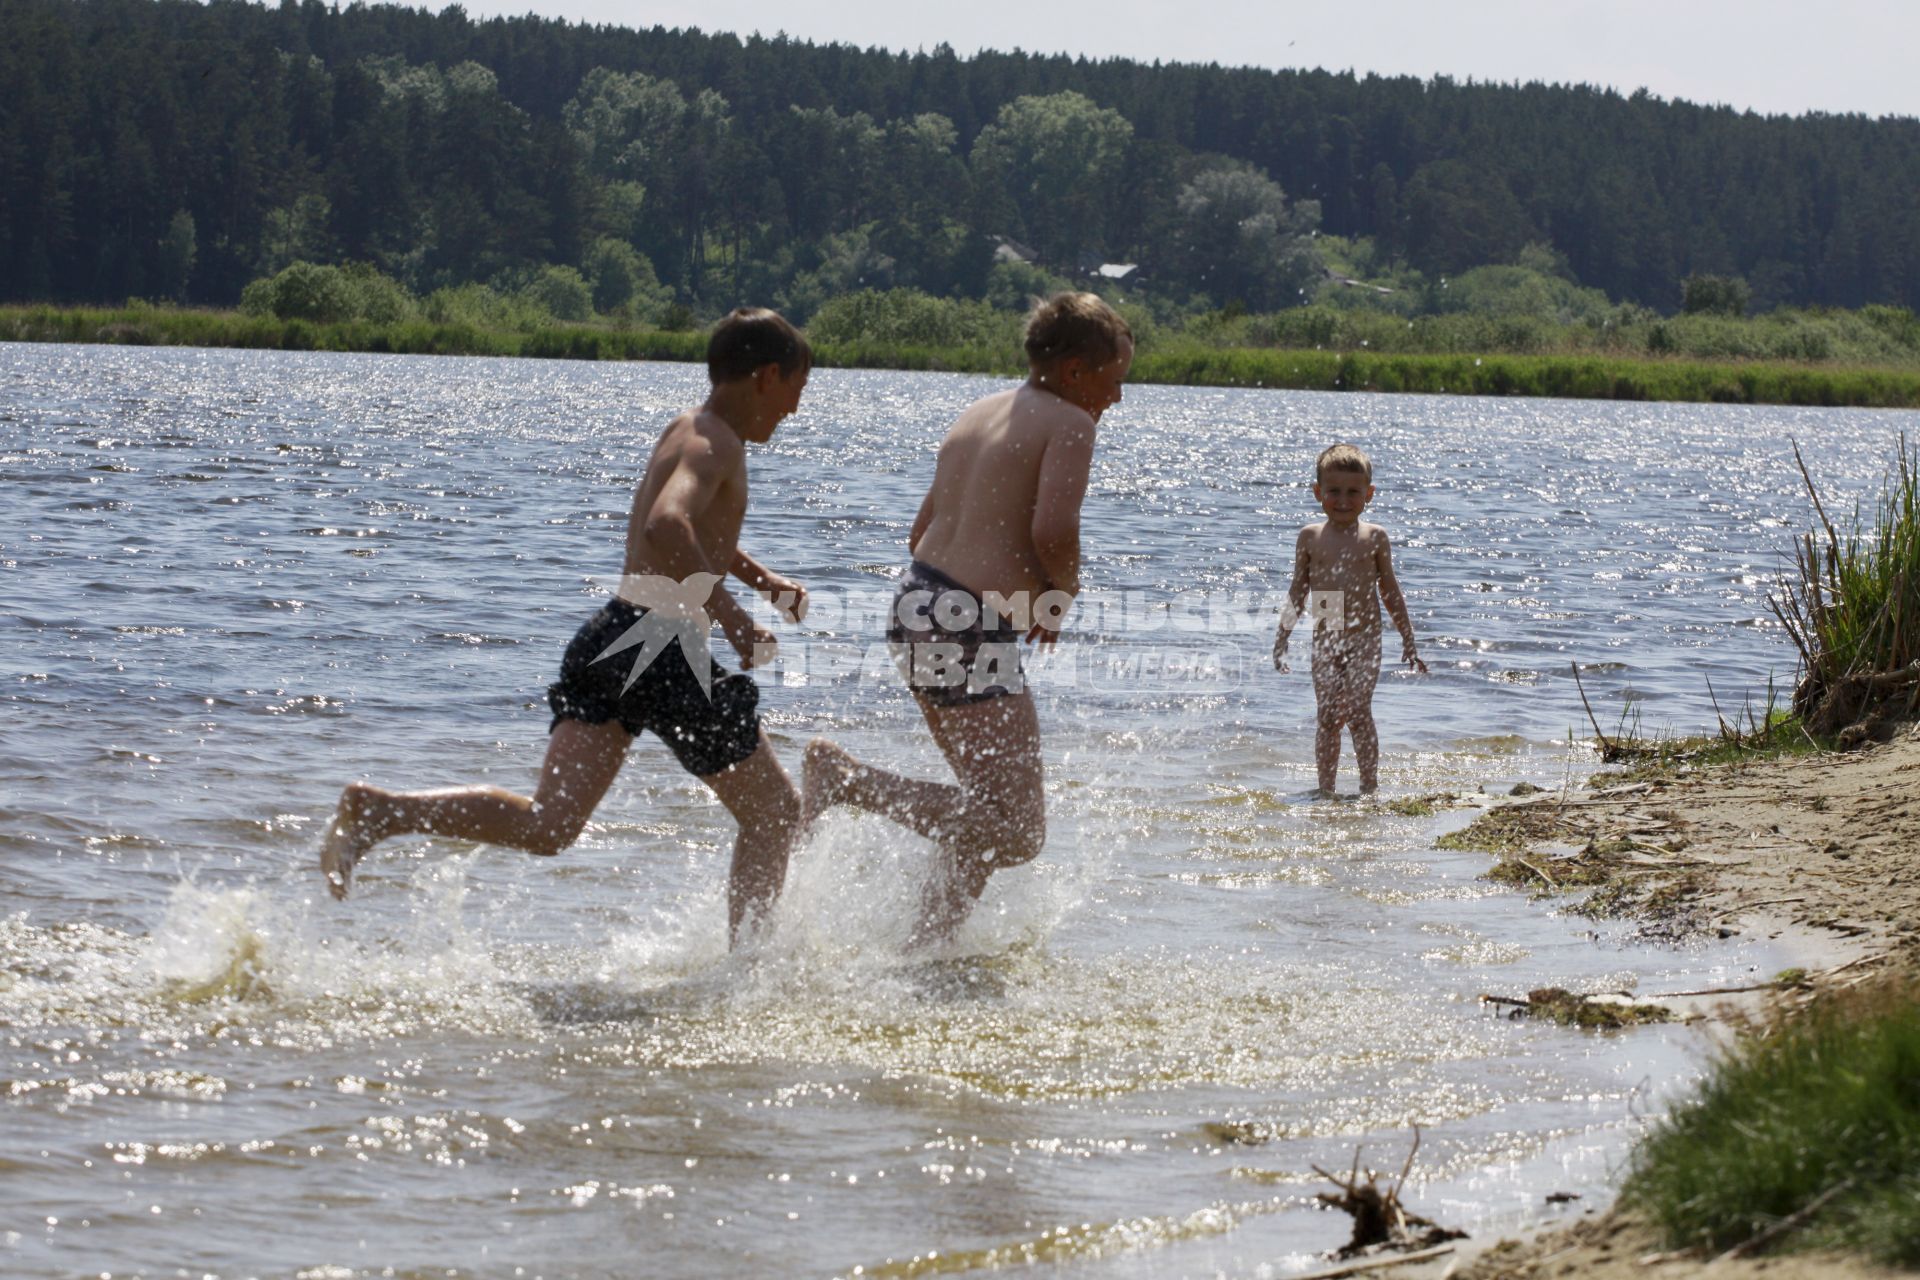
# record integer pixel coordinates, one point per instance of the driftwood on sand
(1381, 1222)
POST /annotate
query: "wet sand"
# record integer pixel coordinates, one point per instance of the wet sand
(1814, 851)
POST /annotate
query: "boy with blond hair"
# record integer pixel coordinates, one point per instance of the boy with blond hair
(641, 662)
(1342, 571)
(995, 553)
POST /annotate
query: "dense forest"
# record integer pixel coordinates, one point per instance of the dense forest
(177, 150)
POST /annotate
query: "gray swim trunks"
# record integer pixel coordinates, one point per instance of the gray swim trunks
(945, 644)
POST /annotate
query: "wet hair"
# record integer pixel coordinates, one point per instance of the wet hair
(1342, 457)
(1074, 324)
(749, 337)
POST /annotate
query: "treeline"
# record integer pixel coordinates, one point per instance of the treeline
(173, 149)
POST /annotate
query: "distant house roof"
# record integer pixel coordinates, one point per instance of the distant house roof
(1351, 283)
(1010, 250)
(1116, 270)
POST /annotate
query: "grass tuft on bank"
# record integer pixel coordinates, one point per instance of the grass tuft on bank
(1852, 606)
(1812, 1122)
(1661, 757)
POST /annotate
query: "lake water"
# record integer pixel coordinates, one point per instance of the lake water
(232, 581)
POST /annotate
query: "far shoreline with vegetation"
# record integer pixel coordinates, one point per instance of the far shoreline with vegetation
(1823, 357)
(378, 178)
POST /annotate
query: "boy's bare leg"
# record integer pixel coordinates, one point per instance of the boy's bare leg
(993, 747)
(1326, 752)
(995, 817)
(580, 765)
(1366, 751)
(1363, 674)
(761, 798)
(1330, 712)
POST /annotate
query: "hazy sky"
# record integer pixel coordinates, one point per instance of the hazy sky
(1769, 55)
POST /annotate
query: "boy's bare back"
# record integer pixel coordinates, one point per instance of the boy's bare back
(1013, 465)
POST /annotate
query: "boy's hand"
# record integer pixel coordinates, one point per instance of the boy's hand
(1053, 606)
(788, 598)
(751, 641)
(1411, 656)
(1280, 662)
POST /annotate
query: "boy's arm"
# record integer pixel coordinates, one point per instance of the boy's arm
(920, 522)
(700, 467)
(788, 597)
(1064, 471)
(1296, 602)
(1390, 595)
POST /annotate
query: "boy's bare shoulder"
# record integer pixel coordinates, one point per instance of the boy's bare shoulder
(978, 418)
(1048, 411)
(703, 432)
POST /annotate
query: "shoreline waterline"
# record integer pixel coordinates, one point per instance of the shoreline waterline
(1578, 376)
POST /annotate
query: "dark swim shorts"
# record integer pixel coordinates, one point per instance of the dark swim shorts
(943, 645)
(705, 734)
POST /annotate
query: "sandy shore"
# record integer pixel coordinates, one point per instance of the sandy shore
(1820, 853)
(1615, 1245)
(1816, 852)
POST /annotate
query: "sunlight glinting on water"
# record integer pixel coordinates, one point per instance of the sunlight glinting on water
(234, 581)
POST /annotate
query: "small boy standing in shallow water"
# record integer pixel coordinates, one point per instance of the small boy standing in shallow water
(1342, 570)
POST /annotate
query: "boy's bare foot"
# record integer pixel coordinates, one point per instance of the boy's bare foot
(346, 839)
(824, 772)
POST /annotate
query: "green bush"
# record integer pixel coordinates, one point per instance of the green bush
(1510, 291)
(1898, 324)
(1715, 295)
(482, 307)
(329, 295)
(1012, 286)
(907, 317)
(624, 282)
(301, 291)
(1827, 1105)
(560, 291)
(378, 299)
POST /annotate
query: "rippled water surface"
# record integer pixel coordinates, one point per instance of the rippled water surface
(232, 581)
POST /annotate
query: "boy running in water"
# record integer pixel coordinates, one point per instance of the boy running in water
(1342, 570)
(996, 552)
(626, 670)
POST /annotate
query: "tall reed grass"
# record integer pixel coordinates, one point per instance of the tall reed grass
(1851, 603)
(1812, 1122)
